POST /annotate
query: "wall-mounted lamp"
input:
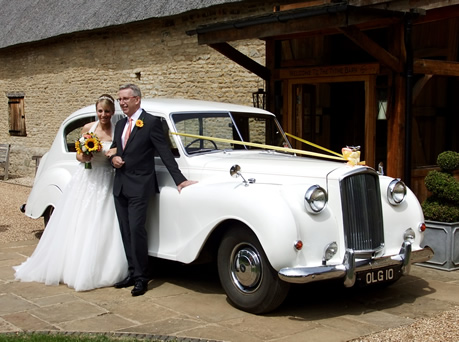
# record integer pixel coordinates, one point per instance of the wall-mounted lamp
(259, 98)
(382, 103)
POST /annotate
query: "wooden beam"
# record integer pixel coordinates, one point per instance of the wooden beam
(340, 71)
(434, 67)
(404, 5)
(284, 24)
(264, 31)
(420, 84)
(442, 13)
(382, 55)
(241, 59)
(309, 3)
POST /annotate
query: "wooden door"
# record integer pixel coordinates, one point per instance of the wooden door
(333, 115)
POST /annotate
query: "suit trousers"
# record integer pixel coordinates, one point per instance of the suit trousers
(132, 213)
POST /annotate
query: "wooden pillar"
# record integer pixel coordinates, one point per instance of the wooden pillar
(396, 118)
(396, 131)
(270, 63)
(370, 121)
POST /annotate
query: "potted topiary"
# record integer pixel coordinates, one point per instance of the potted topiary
(441, 211)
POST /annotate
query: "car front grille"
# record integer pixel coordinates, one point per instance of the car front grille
(362, 213)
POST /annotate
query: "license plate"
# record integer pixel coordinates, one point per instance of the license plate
(379, 276)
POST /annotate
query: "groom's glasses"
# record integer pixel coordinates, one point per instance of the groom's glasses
(125, 99)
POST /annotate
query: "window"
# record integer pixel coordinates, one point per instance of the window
(230, 126)
(16, 115)
(72, 132)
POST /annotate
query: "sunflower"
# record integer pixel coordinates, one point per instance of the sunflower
(77, 147)
(92, 145)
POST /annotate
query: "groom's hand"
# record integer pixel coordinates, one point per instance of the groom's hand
(185, 184)
(117, 162)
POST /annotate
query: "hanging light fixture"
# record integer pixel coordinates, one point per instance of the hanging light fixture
(259, 98)
(382, 99)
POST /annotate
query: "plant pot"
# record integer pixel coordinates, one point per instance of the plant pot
(443, 238)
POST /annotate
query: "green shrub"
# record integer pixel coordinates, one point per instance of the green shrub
(443, 205)
(435, 211)
(443, 185)
(448, 161)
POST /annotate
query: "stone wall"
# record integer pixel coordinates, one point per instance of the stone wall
(66, 73)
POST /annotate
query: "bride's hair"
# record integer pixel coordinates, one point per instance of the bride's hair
(107, 100)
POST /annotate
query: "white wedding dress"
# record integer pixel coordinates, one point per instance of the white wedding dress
(81, 246)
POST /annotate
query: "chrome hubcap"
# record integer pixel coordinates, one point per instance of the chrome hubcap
(246, 268)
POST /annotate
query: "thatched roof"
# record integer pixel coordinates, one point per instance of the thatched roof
(25, 21)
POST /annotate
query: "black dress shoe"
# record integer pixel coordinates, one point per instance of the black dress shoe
(140, 287)
(125, 283)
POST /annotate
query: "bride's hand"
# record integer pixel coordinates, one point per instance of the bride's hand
(83, 157)
(111, 152)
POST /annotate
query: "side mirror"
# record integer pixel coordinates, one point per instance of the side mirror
(235, 171)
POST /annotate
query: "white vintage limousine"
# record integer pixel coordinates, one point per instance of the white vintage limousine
(268, 215)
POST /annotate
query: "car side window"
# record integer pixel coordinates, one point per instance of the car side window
(168, 137)
(72, 132)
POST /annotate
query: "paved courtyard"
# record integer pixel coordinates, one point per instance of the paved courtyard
(187, 301)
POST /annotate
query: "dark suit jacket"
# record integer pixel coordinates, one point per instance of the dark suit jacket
(138, 177)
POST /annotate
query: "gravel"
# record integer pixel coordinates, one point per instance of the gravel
(15, 226)
(443, 327)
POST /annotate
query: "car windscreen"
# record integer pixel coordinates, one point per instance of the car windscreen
(210, 132)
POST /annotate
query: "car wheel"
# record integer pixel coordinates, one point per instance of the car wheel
(47, 215)
(246, 275)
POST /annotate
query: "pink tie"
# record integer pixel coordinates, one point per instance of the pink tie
(128, 133)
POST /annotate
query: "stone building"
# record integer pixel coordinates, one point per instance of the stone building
(382, 74)
(57, 56)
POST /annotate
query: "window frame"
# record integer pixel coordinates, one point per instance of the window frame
(16, 114)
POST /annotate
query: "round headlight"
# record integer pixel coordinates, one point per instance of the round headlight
(396, 192)
(315, 199)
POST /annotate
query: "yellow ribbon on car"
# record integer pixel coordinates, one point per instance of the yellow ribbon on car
(352, 156)
(270, 147)
(314, 145)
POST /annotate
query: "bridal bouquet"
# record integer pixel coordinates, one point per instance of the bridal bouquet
(87, 144)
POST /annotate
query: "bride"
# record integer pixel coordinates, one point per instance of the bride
(81, 245)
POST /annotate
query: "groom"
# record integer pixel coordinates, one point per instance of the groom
(136, 139)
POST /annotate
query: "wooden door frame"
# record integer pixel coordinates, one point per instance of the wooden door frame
(370, 107)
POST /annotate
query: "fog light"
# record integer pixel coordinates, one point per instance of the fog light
(409, 235)
(330, 250)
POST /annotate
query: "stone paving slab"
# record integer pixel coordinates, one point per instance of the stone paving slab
(352, 325)
(11, 303)
(70, 311)
(188, 302)
(172, 326)
(28, 322)
(99, 323)
(7, 327)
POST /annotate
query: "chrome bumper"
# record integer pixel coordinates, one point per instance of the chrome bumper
(350, 267)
